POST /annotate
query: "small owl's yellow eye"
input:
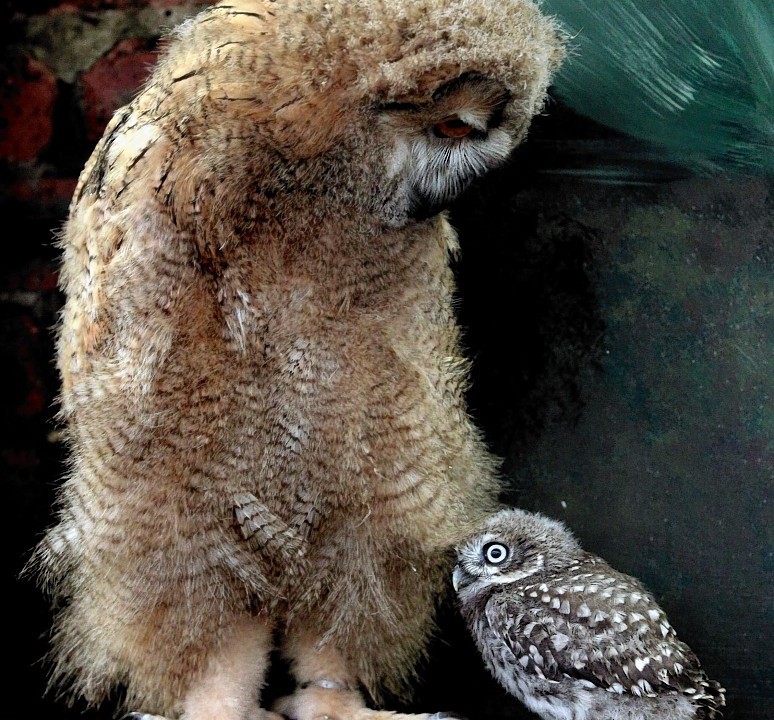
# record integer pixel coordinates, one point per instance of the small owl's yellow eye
(452, 127)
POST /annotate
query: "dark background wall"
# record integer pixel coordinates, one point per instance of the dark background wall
(621, 334)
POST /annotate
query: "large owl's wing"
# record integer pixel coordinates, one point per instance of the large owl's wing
(265, 531)
(600, 627)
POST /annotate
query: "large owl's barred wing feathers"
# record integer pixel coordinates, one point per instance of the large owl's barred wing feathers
(599, 627)
(265, 530)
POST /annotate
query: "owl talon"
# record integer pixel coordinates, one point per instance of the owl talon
(326, 685)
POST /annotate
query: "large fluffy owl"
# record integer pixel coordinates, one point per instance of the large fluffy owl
(570, 636)
(262, 380)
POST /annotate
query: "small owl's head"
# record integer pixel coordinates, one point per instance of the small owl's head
(512, 545)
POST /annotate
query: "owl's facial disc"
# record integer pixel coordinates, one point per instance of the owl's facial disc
(441, 145)
(491, 560)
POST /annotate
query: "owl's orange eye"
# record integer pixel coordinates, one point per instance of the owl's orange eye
(452, 127)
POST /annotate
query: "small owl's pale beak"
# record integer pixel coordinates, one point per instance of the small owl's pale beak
(457, 578)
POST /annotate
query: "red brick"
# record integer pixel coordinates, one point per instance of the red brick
(41, 277)
(112, 82)
(27, 96)
(70, 5)
(43, 191)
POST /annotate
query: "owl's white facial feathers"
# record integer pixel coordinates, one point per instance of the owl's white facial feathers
(440, 169)
(534, 543)
(430, 170)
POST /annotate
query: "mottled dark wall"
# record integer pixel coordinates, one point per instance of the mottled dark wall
(622, 339)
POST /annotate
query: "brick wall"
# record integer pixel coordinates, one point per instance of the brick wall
(67, 66)
(64, 68)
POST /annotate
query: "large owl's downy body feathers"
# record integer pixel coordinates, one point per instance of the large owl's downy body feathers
(262, 380)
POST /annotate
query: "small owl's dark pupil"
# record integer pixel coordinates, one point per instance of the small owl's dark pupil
(495, 553)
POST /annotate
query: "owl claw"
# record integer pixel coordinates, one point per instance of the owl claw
(326, 685)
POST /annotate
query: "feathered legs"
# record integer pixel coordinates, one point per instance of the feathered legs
(229, 688)
(327, 687)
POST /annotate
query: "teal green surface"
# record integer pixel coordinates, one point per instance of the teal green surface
(693, 77)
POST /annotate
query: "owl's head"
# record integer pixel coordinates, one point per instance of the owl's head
(512, 545)
(387, 106)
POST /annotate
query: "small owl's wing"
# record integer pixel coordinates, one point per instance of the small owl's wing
(598, 627)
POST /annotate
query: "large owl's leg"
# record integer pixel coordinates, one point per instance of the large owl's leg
(327, 687)
(230, 687)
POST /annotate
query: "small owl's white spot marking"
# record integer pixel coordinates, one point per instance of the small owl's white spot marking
(619, 599)
(636, 690)
(616, 617)
(578, 588)
(616, 688)
(654, 615)
(564, 608)
(524, 661)
(592, 588)
(635, 617)
(678, 668)
(635, 597)
(664, 629)
(533, 594)
(555, 603)
(559, 641)
(690, 691)
(543, 587)
(546, 598)
(641, 663)
(584, 611)
(607, 593)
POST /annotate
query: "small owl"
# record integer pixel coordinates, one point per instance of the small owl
(570, 636)
(261, 376)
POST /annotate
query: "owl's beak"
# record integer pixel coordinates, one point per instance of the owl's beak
(457, 578)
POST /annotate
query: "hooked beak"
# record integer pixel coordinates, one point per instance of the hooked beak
(457, 578)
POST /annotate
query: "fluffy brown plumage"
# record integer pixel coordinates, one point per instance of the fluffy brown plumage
(262, 382)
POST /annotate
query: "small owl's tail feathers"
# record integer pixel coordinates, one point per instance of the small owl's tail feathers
(712, 698)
